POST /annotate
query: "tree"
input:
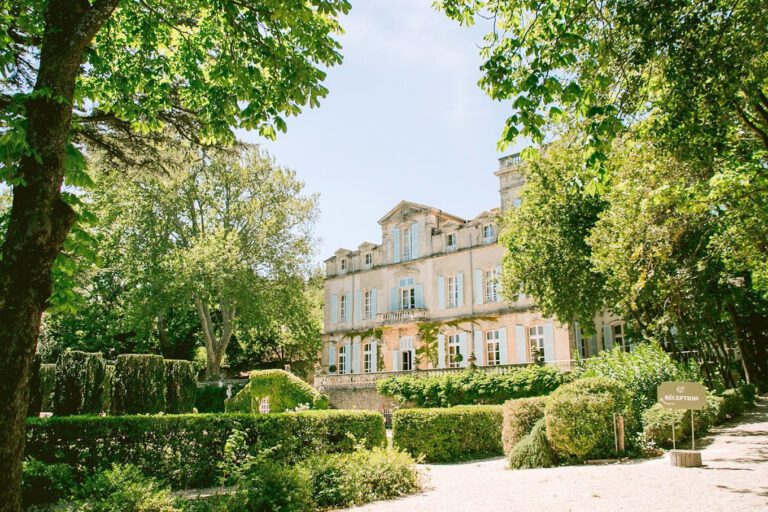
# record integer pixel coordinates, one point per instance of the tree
(110, 73)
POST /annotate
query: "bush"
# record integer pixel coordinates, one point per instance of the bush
(211, 397)
(733, 405)
(533, 450)
(79, 383)
(579, 417)
(449, 435)
(124, 489)
(47, 386)
(35, 399)
(139, 385)
(181, 386)
(43, 483)
(473, 387)
(269, 486)
(186, 450)
(748, 393)
(519, 418)
(284, 391)
(344, 480)
(641, 371)
(109, 382)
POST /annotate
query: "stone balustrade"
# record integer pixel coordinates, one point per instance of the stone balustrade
(403, 316)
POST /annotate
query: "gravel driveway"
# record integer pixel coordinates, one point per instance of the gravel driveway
(735, 477)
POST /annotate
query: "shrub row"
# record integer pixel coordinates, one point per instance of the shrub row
(449, 434)
(186, 450)
(284, 390)
(473, 387)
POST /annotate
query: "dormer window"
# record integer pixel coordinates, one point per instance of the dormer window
(489, 234)
(451, 242)
(368, 260)
(344, 265)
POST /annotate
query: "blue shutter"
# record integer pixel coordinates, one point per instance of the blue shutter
(395, 360)
(460, 285)
(374, 356)
(348, 310)
(503, 349)
(521, 350)
(393, 306)
(579, 341)
(374, 310)
(593, 345)
(334, 309)
(356, 355)
(419, 292)
(441, 351)
(396, 245)
(440, 292)
(478, 286)
(607, 337)
(331, 354)
(498, 281)
(463, 350)
(549, 342)
(347, 357)
(414, 241)
(478, 351)
(358, 305)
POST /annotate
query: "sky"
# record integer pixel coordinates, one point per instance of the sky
(404, 119)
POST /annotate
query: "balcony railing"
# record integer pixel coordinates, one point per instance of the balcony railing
(402, 316)
(510, 160)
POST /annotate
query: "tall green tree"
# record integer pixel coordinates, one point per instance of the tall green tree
(102, 71)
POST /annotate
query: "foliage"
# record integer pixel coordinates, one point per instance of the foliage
(79, 383)
(284, 391)
(267, 486)
(520, 416)
(348, 479)
(35, 400)
(469, 387)
(180, 385)
(45, 483)
(211, 397)
(641, 370)
(48, 385)
(533, 450)
(139, 385)
(449, 435)
(123, 488)
(185, 450)
(733, 404)
(109, 384)
(579, 417)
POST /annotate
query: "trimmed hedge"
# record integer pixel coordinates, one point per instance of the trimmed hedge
(180, 386)
(284, 390)
(186, 450)
(473, 387)
(109, 382)
(579, 417)
(47, 386)
(35, 398)
(533, 450)
(79, 383)
(519, 418)
(139, 385)
(449, 435)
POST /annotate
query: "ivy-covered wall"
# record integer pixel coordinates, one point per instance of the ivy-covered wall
(284, 391)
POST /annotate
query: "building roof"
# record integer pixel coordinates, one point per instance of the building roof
(410, 205)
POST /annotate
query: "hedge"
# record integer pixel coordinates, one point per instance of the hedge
(449, 434)
(79, 383)
(284, 391)
(519, 418)
(139, 385)
(47, 386)
(109, 382)
(180, 386)
(533, 450)
(211, 397)
(35, 398)
(186, 450)
(473, 387)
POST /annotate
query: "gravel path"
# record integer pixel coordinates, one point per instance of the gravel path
(735, 477)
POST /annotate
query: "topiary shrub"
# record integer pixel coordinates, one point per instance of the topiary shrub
(519, 418)
(43, 483)
(35, 399)
(47, 386)
(79, 383)
(579, 417)
(533, 450)
(139, 385)
(449, 435)
(283, 390)
(109, 381)
(181, 386)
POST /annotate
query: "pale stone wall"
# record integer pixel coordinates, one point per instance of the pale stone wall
(358, 397)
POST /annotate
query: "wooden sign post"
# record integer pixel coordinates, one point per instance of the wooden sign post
(683, 395)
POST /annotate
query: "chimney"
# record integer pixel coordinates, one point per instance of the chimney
(510, 180)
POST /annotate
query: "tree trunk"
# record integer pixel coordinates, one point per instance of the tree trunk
(215, 346)
(39, 221)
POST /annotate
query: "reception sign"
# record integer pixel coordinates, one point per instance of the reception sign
(682, 395)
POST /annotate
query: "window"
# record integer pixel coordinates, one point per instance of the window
(583, 349)
(517, 202)
(408, 298)
(453, 292)
(369, 358)
(264, 405)
(489, 234)
(491, 286)
(342, 359)
(454, 354)
(344, 265)
(367, 305)
(368, 260)
(619, 337)
(343, 308)
(451, 243)
(406, 363)
(536, 337)
(406, 244)
(492, 347)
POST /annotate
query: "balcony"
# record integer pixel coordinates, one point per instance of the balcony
(403, 316)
